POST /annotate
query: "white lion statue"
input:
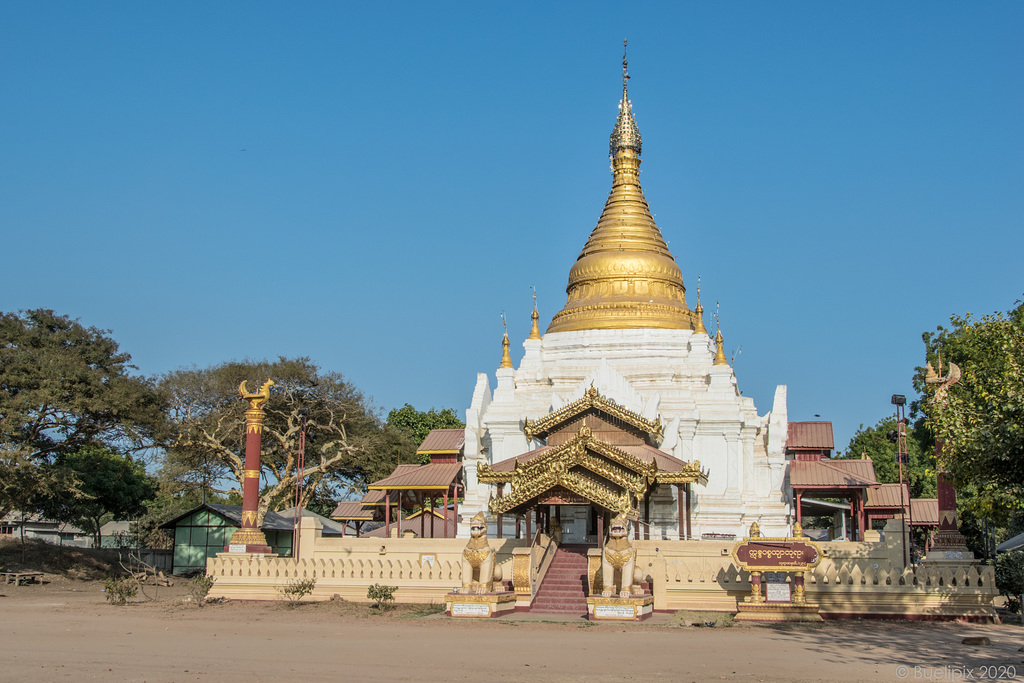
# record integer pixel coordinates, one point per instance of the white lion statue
(480, 571)
(618, 562)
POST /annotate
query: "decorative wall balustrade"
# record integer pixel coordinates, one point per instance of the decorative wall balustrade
(852, 579)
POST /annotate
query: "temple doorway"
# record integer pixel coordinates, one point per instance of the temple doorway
(576, 522)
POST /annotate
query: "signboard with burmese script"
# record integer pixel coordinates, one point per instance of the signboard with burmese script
(777, 554)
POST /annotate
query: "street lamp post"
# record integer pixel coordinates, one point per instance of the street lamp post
(300, 466)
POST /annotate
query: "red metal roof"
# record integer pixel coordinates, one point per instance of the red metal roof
(509, 464)
(832, 474)
(924, 512)
(436, 475)
(353, 509)
(887, 496)
(665, 462)
(443, 441)
(810, 435)
(443, 528)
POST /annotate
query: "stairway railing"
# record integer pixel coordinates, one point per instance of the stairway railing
(542, 552)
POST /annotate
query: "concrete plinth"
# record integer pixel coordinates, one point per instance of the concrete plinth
(479, 605)
(250, 552)
(777, 611)
(633, 608)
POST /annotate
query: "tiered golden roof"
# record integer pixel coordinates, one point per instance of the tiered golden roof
(625, 277)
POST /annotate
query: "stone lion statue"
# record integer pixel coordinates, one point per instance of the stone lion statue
(618, 562)
(479, 569)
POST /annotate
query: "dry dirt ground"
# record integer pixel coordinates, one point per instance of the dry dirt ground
(65, 630)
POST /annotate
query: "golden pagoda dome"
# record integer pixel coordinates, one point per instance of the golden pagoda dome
(625, 277)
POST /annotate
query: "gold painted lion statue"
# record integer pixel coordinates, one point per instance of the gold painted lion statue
(480, 570)
(618, 562)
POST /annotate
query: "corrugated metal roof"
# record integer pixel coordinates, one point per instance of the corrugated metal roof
(353, 509)
(436, 475)
(443, 441)
(233, 513)
(812, 435)
(330, 527)
(665, 462)
(832, 473)
(1015, 543)
(442, 529)
(887, 496)
(924, 511)
(509, 464)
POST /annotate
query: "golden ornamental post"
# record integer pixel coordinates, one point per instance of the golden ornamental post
(249, 538)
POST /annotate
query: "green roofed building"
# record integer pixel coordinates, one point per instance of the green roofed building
(204, 531)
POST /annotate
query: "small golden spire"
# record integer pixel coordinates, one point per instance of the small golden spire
(534, 330)
(720, 353)
(506, 359)
(699, 327)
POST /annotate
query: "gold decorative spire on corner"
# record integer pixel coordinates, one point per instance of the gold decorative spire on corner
(534, 330)
(625, 277)
(720, 358)
(506, 359)
(699, 312)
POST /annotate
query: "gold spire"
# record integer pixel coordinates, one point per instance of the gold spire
(534, 330)
(625, 277)
(720, 353)
(506, 359)
(699, 312)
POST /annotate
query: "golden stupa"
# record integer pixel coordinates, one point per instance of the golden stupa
(625, 277)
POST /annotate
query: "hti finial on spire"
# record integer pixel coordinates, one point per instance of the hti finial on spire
(625, 66)
(625, 135)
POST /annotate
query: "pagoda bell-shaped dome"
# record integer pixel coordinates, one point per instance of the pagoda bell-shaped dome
(625, 277)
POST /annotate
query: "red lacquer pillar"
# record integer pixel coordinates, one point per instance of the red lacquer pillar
(948, 537)
(249, 535)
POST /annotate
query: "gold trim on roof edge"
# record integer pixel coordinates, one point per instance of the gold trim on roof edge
(555, 468)
(592, 398)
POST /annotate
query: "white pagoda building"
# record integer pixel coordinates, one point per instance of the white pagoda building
(625, 404)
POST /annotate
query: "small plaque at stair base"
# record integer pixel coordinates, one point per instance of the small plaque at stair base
(479, 605)
(633, 608)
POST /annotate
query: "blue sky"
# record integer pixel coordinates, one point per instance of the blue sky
(372, 184)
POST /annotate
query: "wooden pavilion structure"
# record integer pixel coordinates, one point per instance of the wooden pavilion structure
(357, 513)
(813, 472)
(845, 479)
(438, 481)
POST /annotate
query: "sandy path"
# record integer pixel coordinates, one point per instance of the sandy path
(55, 633)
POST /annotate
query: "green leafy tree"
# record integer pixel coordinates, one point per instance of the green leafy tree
(981, 419)
(113, 487)
(416, 424)
(875, 442)
(208, 425)
(64, 387)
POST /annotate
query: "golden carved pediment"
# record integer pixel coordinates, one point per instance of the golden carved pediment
(592, 399)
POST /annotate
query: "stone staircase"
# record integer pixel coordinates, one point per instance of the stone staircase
(564, 585)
